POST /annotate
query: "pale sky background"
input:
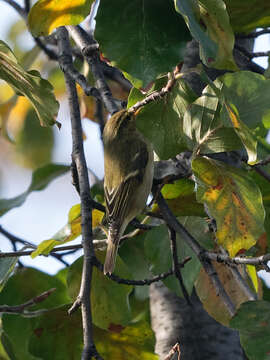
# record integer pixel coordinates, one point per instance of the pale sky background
(45, 212)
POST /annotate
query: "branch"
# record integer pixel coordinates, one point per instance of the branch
(14, 239)
(260, 260)
(156, 95)
(156, 278)
(264, 162)
(174, 350)
(254, 34)
(20, 309)
(261, 171)
(176, 268)
(17, 7)
(89, 49)
(83, 299)
(198, 250)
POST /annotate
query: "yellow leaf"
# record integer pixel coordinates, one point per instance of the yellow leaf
(253, 276)
(233, 200)
(46, 15)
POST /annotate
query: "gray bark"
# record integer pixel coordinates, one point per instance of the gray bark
(200, 336)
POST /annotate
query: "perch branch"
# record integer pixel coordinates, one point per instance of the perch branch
(198, 250)
(89, 49)
(83, 299)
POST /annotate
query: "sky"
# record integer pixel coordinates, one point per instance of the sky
(44, 212)
(32, 221)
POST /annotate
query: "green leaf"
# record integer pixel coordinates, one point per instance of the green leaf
(56, 335)
(233, 200)
(40, 179)
(181, 198)
(248, 92)
(110, 306)
(216, 44)
(243, 20)
(252, 321)
(158, 253)
(6, 267)
(132, 253)
(142, 38)
(162, 121)
(17, 332)
(30, 84)
(46, 15)
(28, 283)
(204, 130)
(33, 143)
(135, 342)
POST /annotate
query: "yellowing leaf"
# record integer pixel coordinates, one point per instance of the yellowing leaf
(243, 132)
(69, 232)
(46, 15)
(233, 200)
(30, 84)
(251, 270)
(213, 303)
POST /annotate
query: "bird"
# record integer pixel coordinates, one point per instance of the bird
(128, 177)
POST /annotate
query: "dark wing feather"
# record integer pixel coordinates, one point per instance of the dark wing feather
(117, 200)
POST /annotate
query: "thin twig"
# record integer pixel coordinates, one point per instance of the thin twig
(156, 95)
(259, 260)
(176, 268)
(174, 350)
(254, 34)
(143, 282)
(17, 7)
(83, 299)
(198, 250)
(14, 239)
(89, 49)
(264, 162)
(20, 309)
(261, 172)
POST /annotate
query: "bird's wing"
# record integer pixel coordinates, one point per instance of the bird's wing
(118, 198)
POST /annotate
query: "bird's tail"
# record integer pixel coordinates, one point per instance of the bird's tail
(111, 253)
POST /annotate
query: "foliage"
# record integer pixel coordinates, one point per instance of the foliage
(222, 201)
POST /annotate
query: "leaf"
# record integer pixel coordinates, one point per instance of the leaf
(150, 43)
(158, 253)
(132, 253)
(68, 232)
(28, 283)
(6, 267)
(30, 84)
(249, 94)
(17, 332)
(181, 198)
(211, 301)
(33, 143)
(252, 322)
(110, 306)
(243, 132)
(233, 200)
(135, 342)
(40, 179)
(204, 130)
(46, 15)
(56, 335)
(216, 44)
(243, 20)
(162, 121)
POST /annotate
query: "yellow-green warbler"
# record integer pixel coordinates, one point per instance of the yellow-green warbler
(128, 165)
